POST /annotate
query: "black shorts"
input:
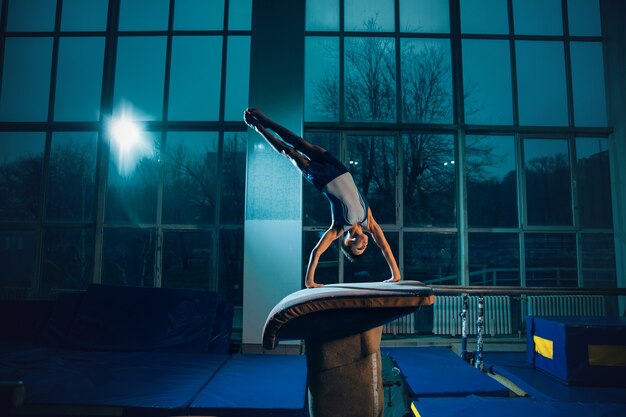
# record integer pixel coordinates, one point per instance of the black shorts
(323, 169)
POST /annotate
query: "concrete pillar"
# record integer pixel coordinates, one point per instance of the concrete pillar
(273, 223)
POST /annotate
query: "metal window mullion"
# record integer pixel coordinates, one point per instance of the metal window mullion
(568, 64)
(575, 210)
(104, 152)
(461, 204)
(214, 285)
(400, 199)
(521, 205)
(224, 63)
(342, 157)
(458, 107)
(342, 96)
(398, 58)
(513, 68)
(158, 247)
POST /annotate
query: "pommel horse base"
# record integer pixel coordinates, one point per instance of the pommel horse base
(341, 325)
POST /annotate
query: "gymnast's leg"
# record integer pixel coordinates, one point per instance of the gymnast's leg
(299, 160)
(310, 150)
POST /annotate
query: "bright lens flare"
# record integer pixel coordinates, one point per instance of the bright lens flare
(125, 133)
(129, 143)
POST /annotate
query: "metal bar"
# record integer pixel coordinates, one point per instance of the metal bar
(478, 289)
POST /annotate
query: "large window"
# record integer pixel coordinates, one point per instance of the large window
(479, 139)
(77, 208)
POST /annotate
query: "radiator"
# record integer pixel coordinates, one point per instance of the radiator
(402, 325)
(565, 305)
(447, 315)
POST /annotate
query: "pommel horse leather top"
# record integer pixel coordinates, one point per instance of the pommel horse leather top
(339, 310)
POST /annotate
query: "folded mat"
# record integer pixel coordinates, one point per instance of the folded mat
(437, 371)
(540, 384)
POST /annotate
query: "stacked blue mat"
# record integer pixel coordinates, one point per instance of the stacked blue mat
(441, 384)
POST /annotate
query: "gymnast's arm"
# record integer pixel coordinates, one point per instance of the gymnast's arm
(381, 241)
(332, 234)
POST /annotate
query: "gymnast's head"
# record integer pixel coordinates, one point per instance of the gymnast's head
(354, 242)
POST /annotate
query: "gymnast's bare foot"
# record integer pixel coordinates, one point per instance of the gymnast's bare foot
(392, 279)
(313, 285)
(250, 120)
(258, 115)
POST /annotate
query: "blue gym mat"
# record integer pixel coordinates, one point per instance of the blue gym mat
(539, 384)
(149, 380)
(437, 371)
(511, 407)
(256, 385)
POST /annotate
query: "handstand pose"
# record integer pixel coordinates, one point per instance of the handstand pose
(351, 216)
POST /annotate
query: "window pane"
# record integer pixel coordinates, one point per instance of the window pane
(487, 82)
(79, 79)
(427, 16)
(68, 259)
(189, 190)
(199, 15)
(230, 273)
(327, 271)
(21, 159)
(132, 191)
(537, 17)
(17, 256)
(431, 258)
(237, 77)
(429, 180)
(84, 15)
(491, 181)
(322, 15)
(72, 176)
(548, 192)
(187, 260)
(494, 259)
(426, 81)
(598, 252)
(144, 14)
(316, 206)
(583, 17)
(195, 78)
(31, 15)
(371, 266)
(550, 260)
(128, 257)
(588, 84)
(239, 14)
(371, 161)
(541, 83)
(26, 79)
(140, 75)
(233, 178)
(593, 182)
(484, 16)
(370, 86)
(369, 15)
(321, 73)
